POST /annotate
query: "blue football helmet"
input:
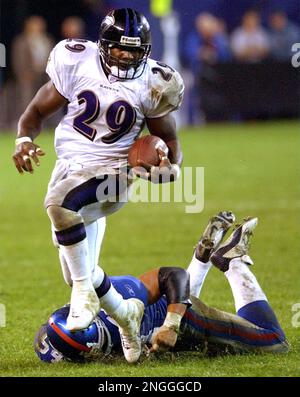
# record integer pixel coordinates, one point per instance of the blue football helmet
(90, 343)
(44, 349)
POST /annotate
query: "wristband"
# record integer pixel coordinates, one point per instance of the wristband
(173, 321)
(23, 139)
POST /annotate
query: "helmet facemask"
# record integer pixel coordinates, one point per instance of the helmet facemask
(90, 343)
(123, 69)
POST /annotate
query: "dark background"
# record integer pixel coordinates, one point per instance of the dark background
(14, 12)
(228, 92)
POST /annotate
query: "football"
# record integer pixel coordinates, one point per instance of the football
(146, 149)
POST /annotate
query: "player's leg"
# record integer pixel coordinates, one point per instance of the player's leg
(95, 234)
(209, 241)
(123, 311)
(70, 235)
(127, 312)
(250, 301)
(62, 260)
(255, 327)
(65, 204)
(73, 248)
(65, 199)
(211, 330)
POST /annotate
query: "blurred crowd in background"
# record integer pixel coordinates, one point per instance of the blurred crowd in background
(235, 57)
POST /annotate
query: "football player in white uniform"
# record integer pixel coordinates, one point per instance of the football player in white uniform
(111, 89)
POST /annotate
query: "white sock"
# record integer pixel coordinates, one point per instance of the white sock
(198, 271)
(77, 258)
(97, 276)
(114, 304)
(95, 233)
(243, 283)
(65, 268)
(84, 284)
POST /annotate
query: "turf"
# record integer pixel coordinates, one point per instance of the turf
(252, 169)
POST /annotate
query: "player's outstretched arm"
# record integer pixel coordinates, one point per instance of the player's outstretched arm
(169, 167)
(174, 283)
(46, 102)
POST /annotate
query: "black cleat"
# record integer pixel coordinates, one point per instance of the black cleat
(213, 235)
(236, 246)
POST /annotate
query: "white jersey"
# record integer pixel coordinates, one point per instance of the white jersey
(106, 115)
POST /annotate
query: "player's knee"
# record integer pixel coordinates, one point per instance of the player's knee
(63, 218)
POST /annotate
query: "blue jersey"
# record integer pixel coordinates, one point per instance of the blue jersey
(154, 315)
(201, 325)
(255, 328)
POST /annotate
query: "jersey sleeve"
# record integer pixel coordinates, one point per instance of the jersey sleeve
(60, 69)
(130, 287)
(164, 93)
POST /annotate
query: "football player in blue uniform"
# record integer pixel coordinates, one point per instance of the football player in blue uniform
(174, 317)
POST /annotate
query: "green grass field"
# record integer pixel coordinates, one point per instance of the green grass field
(251, 169)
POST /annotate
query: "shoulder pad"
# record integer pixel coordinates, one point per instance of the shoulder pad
(165, 89)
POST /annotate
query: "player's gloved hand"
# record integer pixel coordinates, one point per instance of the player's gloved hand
(163, 173)
(164, 339)
(26, 151)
